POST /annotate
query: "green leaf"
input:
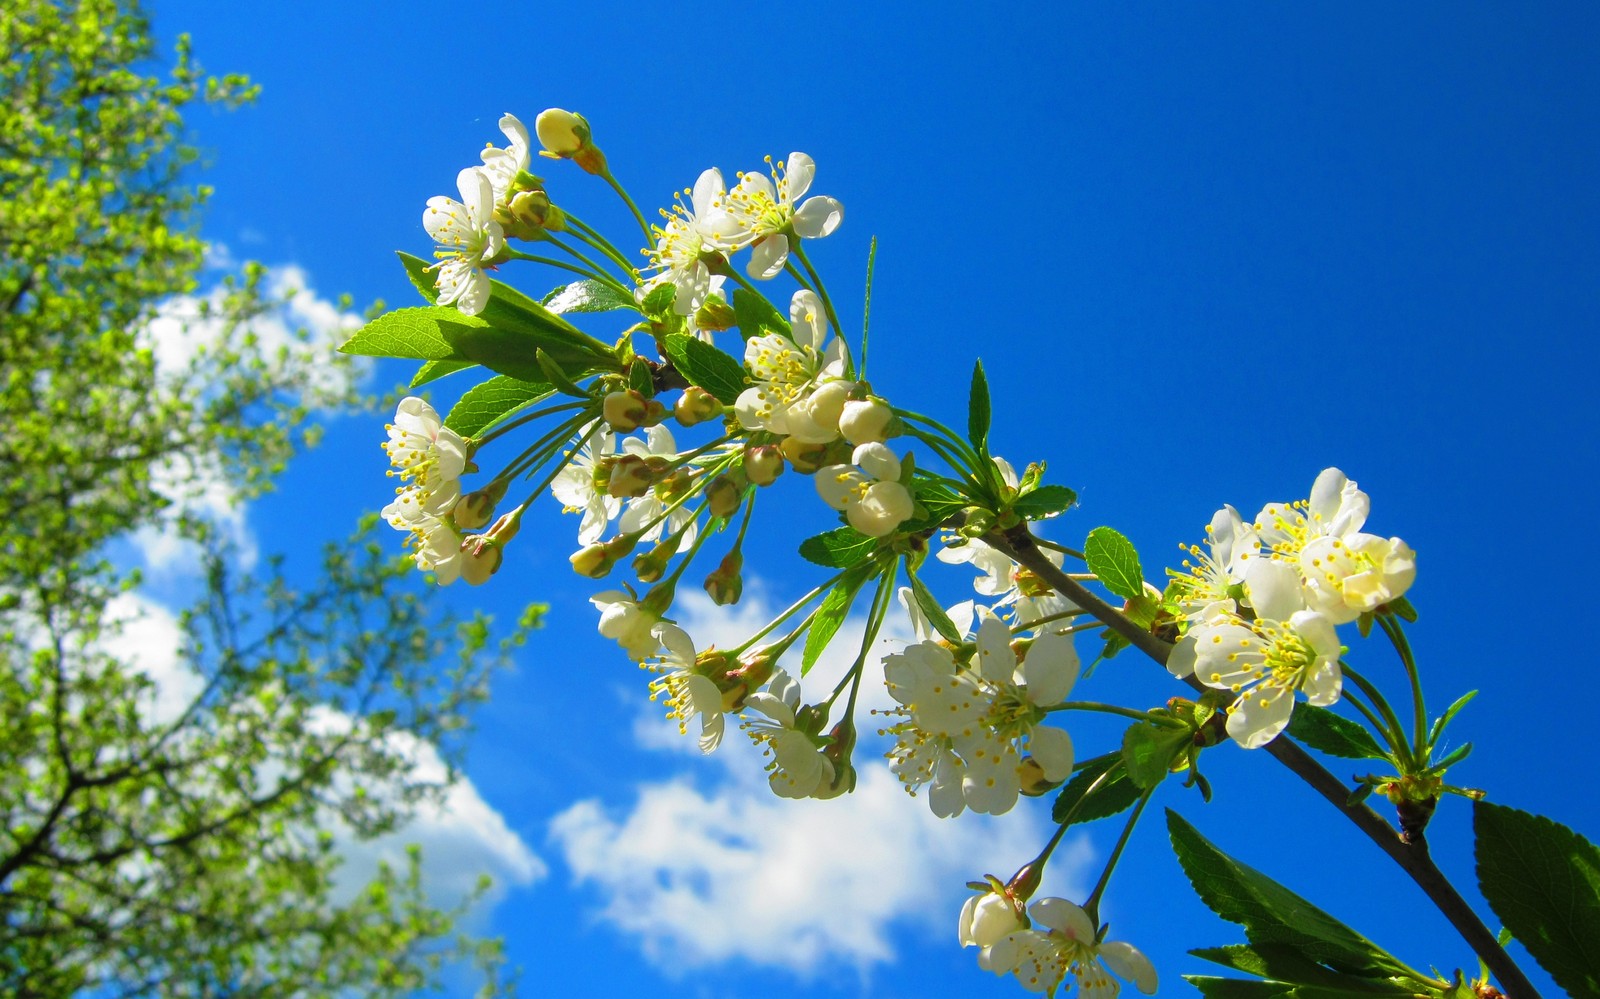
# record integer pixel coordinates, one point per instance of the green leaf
(705, 366)
(434, 370)
(1111, 558)
(1148, 751)
(587, 296)
(1333, 734)
(840, 548)
(755, 316)
(1271, 913)
(978, 409)
(420, 332)
(659, 300)
(1117, 793)
(1212, 987)
(421, 277)
(1046, 501)
(486, 404)
(640, 379)
(1543, 881)
(1440, 722)
(829, 617)
(553, 375)
(1287, 965)
(932, 611)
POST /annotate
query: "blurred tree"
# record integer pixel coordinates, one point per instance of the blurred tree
(172, 831)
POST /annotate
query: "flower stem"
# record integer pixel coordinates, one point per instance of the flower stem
(1117, 709)
(1397, 637)
(1091, 905)
(638, 216)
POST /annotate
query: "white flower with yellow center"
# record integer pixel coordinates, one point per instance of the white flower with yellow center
(428, 458)
(629, 625)
(1350, 576)
(641, 510)
(691, 232)
(1069, 942)
(869, 493)
(502, 166)
(1033, 602)
(797, 390)
(688, 692)
(939, 702)
(796, 767)
(1264, 662)
(1216, 575)
(469, 239)
(578, 486)
(764, 213)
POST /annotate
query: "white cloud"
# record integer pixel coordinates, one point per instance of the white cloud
(183, 328)
(703, 875)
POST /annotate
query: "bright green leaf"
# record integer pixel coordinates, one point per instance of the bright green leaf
(840, 548)
(1046, 501)
(420, 332)
(705, 366)
(935, 614)
(434, 370)
(659, 300)
(829, 617)
(484, 405)
(1111, 558)
(1333, 734)
(587, 296)
(421, 277)
(1148, 751)
(1212, 987)
(755, 316)
(1543, 881)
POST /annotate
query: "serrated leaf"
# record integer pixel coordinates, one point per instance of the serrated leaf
(419, 332)
(931, 610)
(1212, 987)
(1271, 913)
(658, 301)
(1112, 559)
(1333, 734)
(755, 316)
(1046, 501)
(434, 370)
(1148, 751)
(829, 617)
(1287, 965)
(1117, 793)
(705, 366)
(587, 296)
(840, 548)
(639, 377)
(501, 351)
(486, 404)
(1543, 881)
(978, 409)
(553, 375)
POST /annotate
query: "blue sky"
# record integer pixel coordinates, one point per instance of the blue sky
(1204, 252)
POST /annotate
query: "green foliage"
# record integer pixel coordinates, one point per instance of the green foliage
(490, 402)
(929, 605)
(1149, 750)
(831, 614)
(978, 409)
(755, 316)
(1087, 796)
(587, 296)
(1044, 502)
(166, 837)
(1111, 558)
(839, 548)
(417, 332)
(1296, 945)
(1323, 730)
(706, 366)
(1543, 881)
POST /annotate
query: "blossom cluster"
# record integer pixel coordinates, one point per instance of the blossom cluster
(1261, 602)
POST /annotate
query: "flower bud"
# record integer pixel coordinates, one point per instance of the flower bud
(724, 495)
(474, 509)
(725, 584)
(715, 314)
(865, 421)
(755, 668)
(591, 561)
(806, 458)
(631, 477)
(654, 413)
(1031, 775)
(652, 565)
(989, 918)
(696, 405)
(566, 136)
(483, 558)
(624, 410)
(763, 464)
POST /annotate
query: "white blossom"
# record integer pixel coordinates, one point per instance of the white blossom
(764, 213)
(688, 692)
(469, 239)
(578, 487)
(796, 767)
(1041, 959)
(629, 625)
(870, 493)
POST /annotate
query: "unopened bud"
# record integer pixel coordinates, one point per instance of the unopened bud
(566, 136)
(1034, 783)
(715, 314)
(810, 718)
(474, 509)
(591, 561)
(1026, 881)
(756, 667)
(631, 477)
(483, 558)
(654, 413)
(724, 496)
(806, 458)
(624, 410)
(652, 565)
(676, 485)
(866, 421)
(763, 464)
(696, 405)
(725, 585)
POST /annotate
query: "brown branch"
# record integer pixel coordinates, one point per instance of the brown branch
(1413, 858)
